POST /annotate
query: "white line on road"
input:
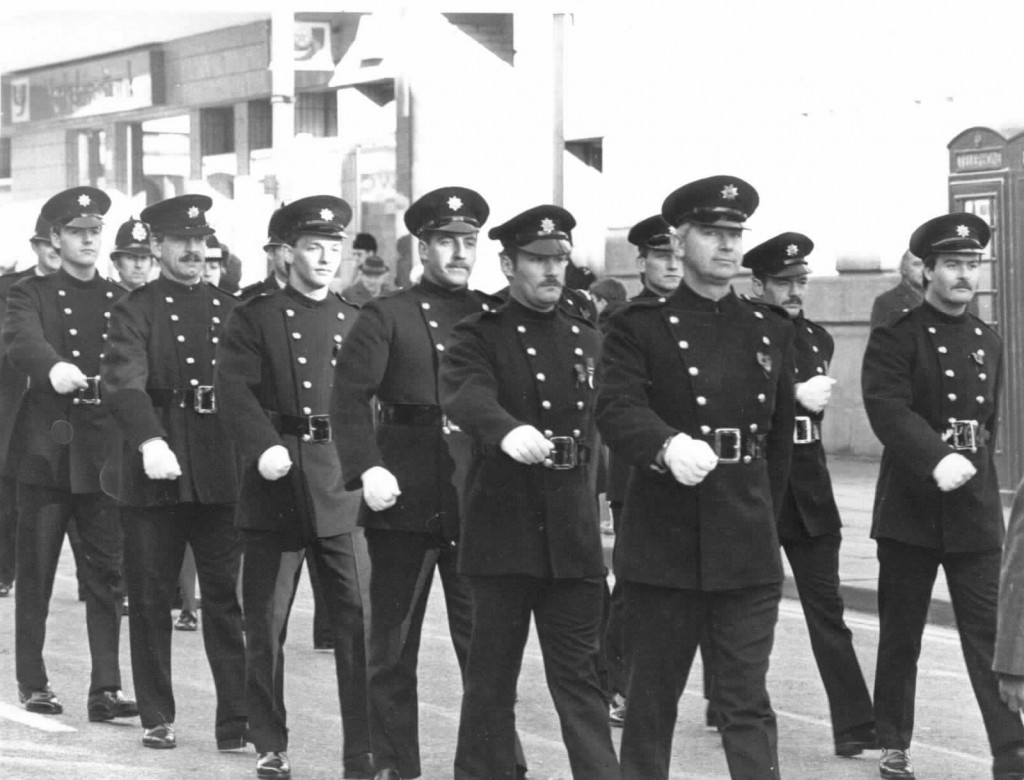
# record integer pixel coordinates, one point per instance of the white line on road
(41, 722)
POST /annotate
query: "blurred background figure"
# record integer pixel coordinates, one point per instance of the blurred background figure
(370, 281)
(213, 263)
(893, 304)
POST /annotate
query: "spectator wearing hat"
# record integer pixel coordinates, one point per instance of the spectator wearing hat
(931, 384)
(908, 294)
(809, 524)
(364, 246)
(277, 261)
(696, 393)
(370, 281)
(213, 261)
(275, 368)
(12, 382)
(519, 381)
(175, 475)
(53, 332)
(132, 255)
(402, 462)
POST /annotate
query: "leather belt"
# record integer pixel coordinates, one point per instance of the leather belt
(733, 445)
(965, 435)
(201, 398)
(807, 430)
(311, 428)
(426, 415)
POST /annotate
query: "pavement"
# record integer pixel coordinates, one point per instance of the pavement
(853, 482)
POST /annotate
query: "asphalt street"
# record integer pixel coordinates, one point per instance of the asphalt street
(950, 740)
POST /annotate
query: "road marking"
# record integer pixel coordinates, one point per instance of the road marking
(41, 722)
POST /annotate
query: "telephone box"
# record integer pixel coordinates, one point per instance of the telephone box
(986, 178)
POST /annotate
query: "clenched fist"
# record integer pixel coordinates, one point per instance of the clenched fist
(953, 471)
(158, 461)
(690, 460)
(380, 488)
(527, 445)
(815, 393)
(274, 463)
(67, 377)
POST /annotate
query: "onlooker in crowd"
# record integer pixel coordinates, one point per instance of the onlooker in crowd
(402, 462)
(520, 382)
(809, 524)
(369, 283)
(364, 246)
(53, 332)
(908, 294)
(132, 256)
(607, 294)
(175, 474)
(277, 261)
(275, 369)
(213, 262)
(12, 385)
(696, 392)
(931, 384)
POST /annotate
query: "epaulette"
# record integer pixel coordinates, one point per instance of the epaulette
(343, 299)
(392, 293)
(979, 321)
(765, 306)
(645, 302)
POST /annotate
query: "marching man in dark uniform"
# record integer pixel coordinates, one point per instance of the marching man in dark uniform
(696, 391)
(809, 525)
(519, 381)
(132, 255)
(275, 368)
(277, 258)
(53, 332)
(175, 475)
(410, 509)
(931, 385)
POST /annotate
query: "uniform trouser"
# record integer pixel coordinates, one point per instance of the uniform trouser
(8, 528)
(613, 636)
(322, 628)
(815, 564)
(43, 515)
(272, 566)
(155, 540)
(568, 618)
(906, 574)
(664, 625)
(401, 572)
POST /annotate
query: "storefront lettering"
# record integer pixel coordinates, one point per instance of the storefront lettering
(979, 161)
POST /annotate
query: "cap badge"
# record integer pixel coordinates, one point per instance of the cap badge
(963, 231)
(730, 192)
(139, 232)
(455, 203)
(792, 250)
(326, 215)
(84, 200)
(193, 212)
(547, 225)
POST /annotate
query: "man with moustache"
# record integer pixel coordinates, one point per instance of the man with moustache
(520, 382)
(931, 384)
(53, 332)
(402, 463)
(274, 372)
(132, 255)
(908, 294)
(174, 474)
(277, 260)
(696, 391)
(12, 384)
(809, 525)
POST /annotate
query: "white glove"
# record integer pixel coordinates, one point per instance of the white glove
(526, 444)
(690, 460)
(158, 461)
(953, 471)
(274, 463)
(815, 393)
(67, 377)
(380, 488)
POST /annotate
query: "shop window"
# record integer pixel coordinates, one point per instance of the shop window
(261, 125)
(316, 113)
(589, 150)
(217, 131)
(5, 162)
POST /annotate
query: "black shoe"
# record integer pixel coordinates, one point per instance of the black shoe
(232, 735)
(895, 763)
(359, 767)
(5, 589)
(1008, 764)
(324, 643)
(853, 742)
(43, 701)
(617, 711)
(108, 705)
(187, 621)
(159, 737)
(274, 765)
(387, 774)
(124, 606)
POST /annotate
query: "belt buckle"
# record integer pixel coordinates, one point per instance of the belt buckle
(318, 429)
(803, 430)
(565, 454)
(728, 445)
(90, 394)
(205, 401)
(964, 435)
